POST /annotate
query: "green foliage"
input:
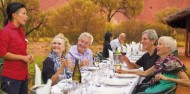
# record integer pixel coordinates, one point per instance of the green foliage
(129, 8)
(134, 7)
(134, 28)
(162, 14)
(35, 18)
(162, 29)
(75, 17)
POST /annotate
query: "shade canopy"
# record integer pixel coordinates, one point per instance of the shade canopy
(178, 20)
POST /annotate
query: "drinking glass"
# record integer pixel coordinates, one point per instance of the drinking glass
(96, 62)
(124, 51)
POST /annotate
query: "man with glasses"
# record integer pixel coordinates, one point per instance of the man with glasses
(116, 43)
(81, 50)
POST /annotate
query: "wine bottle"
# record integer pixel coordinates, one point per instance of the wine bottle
(76, 73)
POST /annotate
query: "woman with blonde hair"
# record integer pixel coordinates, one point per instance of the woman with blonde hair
(57, 63)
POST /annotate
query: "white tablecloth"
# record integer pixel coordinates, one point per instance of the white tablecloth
(103, 89)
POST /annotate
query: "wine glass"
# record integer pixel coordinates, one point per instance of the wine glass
(96, 62)
(124, 51)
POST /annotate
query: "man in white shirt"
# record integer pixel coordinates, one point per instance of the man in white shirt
(118, 42)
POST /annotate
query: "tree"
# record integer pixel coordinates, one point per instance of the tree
(36, 19)
(129, 8)
(78, 16)
(162, 14)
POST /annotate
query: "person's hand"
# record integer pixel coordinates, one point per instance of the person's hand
(160, 77)
(121, 71)
(84, 63)
(63, 62)
(122, 58)
(69, 64)
(28, 59)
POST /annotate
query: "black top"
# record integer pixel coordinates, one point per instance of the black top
(105, 49)
(48, 69)
(147, 61)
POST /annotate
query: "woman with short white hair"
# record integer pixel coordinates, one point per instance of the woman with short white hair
(167, 66)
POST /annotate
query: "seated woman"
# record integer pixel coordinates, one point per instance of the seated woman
(107, 38)
(166, 66)
(57, 63)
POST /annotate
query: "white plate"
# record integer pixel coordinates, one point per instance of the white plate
(92, 68)
(117, 82)
(125, 75)
(108, 91)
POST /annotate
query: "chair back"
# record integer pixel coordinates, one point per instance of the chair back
(40, 88)
(38, 76)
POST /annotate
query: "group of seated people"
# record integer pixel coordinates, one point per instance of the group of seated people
(161, 69)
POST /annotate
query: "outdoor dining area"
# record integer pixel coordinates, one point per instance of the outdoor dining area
(98, 79)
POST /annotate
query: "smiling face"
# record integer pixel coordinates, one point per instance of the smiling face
(58, 46)
(162, 49)
(146, 42)
(20, 17)
(122, 38)
(83, 44)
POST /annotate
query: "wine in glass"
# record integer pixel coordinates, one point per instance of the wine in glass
(124, 51)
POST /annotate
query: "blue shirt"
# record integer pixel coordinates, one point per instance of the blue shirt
(73, 54)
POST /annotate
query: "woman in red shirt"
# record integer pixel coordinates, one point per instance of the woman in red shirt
(13, 49)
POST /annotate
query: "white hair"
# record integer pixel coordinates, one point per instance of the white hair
(152, 35)
(169, 42)
(87, 35)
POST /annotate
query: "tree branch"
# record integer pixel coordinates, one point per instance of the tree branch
(124, 14)
(113, 13)
(30, 9)
(35, 28)
(2, 12)
(3, 8)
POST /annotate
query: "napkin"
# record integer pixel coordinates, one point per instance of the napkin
(45, 89)
(125, 75)
(116, 82)
(38, 76)
(109, 91)
(110, 55)
(41, 89)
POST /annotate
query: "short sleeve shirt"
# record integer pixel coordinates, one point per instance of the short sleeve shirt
(147, 61)
(12, 40)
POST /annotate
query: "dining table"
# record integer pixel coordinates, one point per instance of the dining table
(102, 79)
(99, 80)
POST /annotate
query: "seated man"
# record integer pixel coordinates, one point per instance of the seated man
(148, 40)
(81, 51)
(118, 42)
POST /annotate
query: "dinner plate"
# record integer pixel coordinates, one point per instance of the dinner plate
(92, 68)
(125, 75)
(116, 82)
(108, 91)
